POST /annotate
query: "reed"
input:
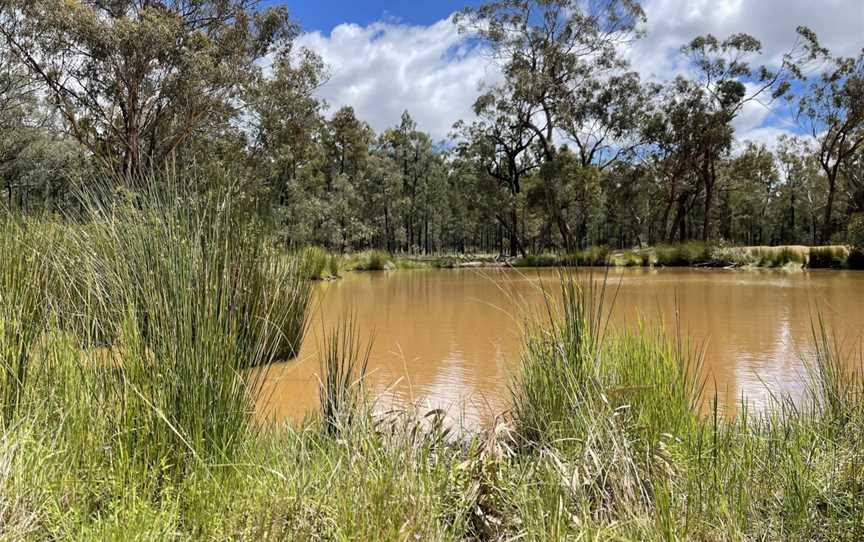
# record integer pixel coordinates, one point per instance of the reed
(23, 274)
(344, 364)
(198, 294)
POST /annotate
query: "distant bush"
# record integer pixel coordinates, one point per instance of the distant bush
(315, 259)
(855, 235)
(855, 259)
(827, 258)
(594, 256)
(685, 254)
(334, 265)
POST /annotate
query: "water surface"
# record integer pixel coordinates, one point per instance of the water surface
(451, 339)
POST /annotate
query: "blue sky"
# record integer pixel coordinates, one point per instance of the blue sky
(389, 56)
(324, 15)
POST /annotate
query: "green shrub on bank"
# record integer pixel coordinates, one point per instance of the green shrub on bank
(316, 259)
(684, 255)
(373, 260)
(827, 258)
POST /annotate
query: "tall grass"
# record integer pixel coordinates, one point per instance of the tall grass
(344, 364)
(626, 422)
(23, 273)
(191, 292)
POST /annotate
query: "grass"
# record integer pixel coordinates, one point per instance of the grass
(155, 435)
(698, 254)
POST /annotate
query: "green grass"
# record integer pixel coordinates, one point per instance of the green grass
(698, 254)
(150, 432)
(622, 414)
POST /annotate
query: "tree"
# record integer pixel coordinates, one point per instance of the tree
(798, 200)
(550, 51)
(568, 192)
(136, 79)
(286, 118)
(832, 109)
(345, 145)
(723, 71)
(500, 146)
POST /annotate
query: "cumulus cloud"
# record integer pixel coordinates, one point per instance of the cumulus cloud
(672, 23)
(386, 68)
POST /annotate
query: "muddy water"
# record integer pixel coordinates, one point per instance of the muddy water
(451, 339)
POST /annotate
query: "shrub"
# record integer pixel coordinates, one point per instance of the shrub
(827, 258)
(855, 259)
(375, 260)
(316, 262)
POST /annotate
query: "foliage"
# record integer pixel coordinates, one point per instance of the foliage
(827, 257)
(169, 69)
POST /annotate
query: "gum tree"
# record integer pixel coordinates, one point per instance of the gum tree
(832, 110)
(136, 79)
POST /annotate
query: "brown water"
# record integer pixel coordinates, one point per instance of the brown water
(451, 339)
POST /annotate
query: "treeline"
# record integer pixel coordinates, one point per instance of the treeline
(571, 149)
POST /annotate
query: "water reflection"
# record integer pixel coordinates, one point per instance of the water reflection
(451, 339)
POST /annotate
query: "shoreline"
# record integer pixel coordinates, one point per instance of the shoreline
(788, 258)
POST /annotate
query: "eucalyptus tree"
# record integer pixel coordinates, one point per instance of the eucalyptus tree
(568, 193)
(420, 164)
(674, 131)
(853, 169)
(800, 199)
(723, 73)
(37, 162)
(504, 151)
(136, 79)
(345, 146)
(551, 52)
(285, 118)
(832, 109)
(563, 76)
(748, 196)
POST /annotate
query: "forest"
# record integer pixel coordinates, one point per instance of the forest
(571, 149)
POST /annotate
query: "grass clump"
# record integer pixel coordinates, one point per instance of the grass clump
(373, 260)
(316, 261)
(343, 369)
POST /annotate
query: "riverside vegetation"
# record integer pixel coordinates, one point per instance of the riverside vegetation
(129, 409)
(326, 265)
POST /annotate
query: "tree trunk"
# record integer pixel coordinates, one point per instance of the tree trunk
(708, 175)
(827, 224)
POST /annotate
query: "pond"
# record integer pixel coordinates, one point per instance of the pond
(451, 339)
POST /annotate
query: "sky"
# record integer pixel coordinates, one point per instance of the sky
(388, 56)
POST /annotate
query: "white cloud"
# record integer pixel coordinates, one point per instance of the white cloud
(386, 68)
(672, 23)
